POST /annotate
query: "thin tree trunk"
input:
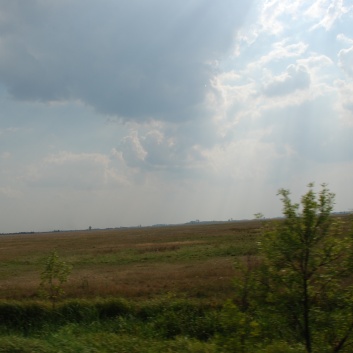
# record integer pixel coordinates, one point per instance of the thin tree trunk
(306, 303)
(307, 329)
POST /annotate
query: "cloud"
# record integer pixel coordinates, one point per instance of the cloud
(274, 14)
(245, 160)
(132, 150)
(328, 12)
(5, 155)
(10, 193)
(344, 104)
(133, 59)
(160, 150)
(9, 130)
(247, 95)
(277, 16)
(345, 57)
(295, 78)
(282, 50)
(80, 171)
(344, 39)
(295, 103)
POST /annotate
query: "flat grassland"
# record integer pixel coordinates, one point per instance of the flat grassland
(190, 261)
(136, 290)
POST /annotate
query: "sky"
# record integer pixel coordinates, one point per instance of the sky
(139, 112)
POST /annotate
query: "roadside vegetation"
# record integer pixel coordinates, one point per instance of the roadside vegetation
(260, 286)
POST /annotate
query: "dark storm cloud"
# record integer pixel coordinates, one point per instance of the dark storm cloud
(130, 58)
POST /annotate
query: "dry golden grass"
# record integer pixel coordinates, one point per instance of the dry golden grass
(188, 260)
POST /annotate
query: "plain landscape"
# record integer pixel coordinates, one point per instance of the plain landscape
(201, 287)
(137, 290)
(188, 260)
(125, 123)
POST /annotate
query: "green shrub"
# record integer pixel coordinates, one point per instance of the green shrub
(76, 311)
(113, 307)
(23, 316)
(181, 317)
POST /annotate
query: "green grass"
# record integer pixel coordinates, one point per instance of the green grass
(192, 259)
(200, 248)
(69, 340)
(172, 279)
(110, 325)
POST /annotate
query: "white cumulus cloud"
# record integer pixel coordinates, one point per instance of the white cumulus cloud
(295, 78)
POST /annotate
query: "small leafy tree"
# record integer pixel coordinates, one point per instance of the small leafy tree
(302, 292)
(308, 269)
(53, 277)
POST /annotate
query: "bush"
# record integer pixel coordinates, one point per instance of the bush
(181, 317)
(113, 307)
(23, 316)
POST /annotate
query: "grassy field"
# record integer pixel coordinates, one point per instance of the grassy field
(186, 260)
(144, 290)
(155, 289)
